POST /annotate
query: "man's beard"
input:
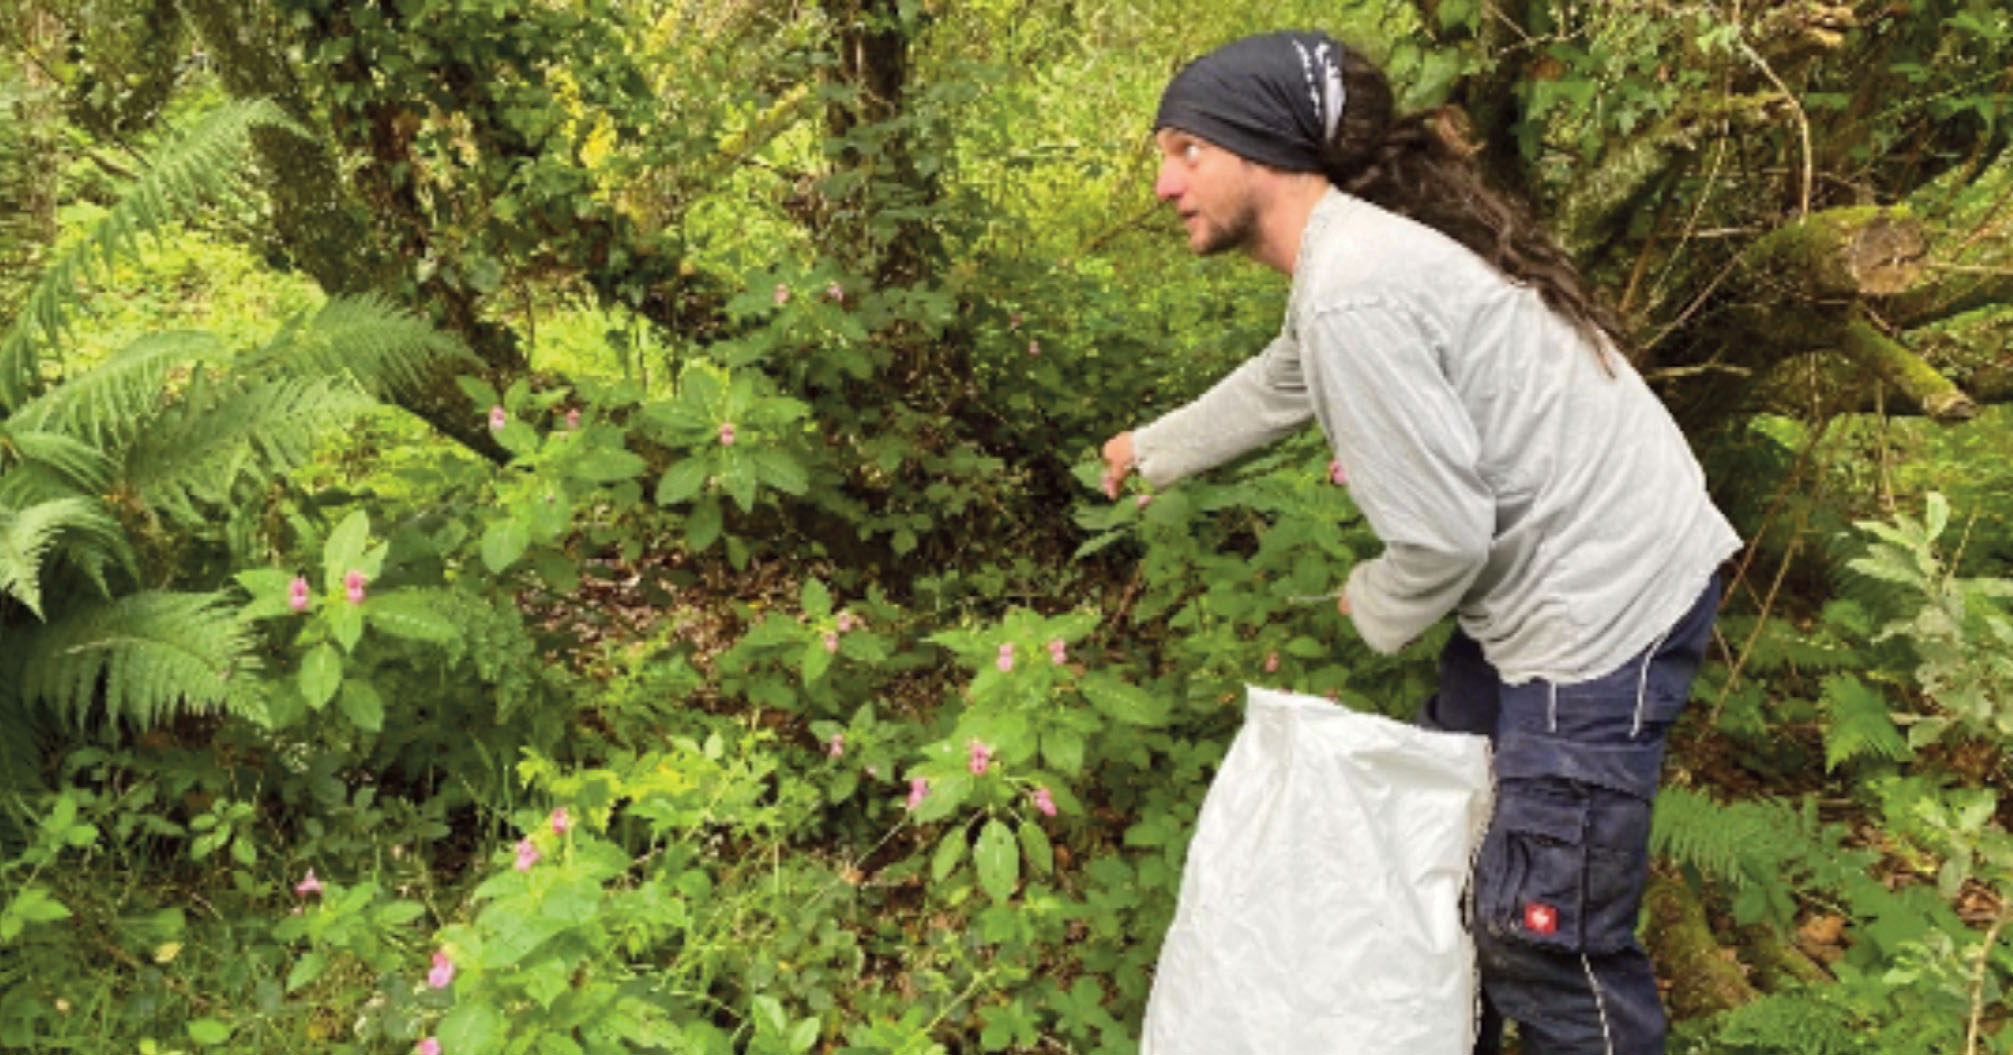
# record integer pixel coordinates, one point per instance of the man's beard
(1240, 232)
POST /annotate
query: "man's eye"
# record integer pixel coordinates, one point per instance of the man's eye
(1191, 153)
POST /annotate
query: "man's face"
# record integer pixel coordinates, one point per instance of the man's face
(1211, 190)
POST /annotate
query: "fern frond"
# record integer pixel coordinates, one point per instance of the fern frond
(195, 168)
(106, 404)
(1860, 724)
(145, 657)
(382, 347)
(1738, 842)
(223, 432)
(66, 464)
(26, 535)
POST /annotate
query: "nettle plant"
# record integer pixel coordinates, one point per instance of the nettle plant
(333, 623)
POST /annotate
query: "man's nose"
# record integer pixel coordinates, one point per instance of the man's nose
(1170, 184)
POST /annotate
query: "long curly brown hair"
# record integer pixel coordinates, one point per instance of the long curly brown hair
(1419, 166)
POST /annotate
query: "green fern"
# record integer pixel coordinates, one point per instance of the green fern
(195, 169)
(381, 347)
(104, 405)
(1737, 842)
(1861, 725)
(26, 535)
(144, 656)
(224, 432)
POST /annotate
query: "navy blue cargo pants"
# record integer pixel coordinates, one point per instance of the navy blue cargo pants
(1559, 878)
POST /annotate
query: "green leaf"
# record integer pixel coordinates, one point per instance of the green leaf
(607, 465)
(769, 1015)
(35, 905)
(781, 471)
(816, 660)
(321, 674)
(949, 854)
(1034, 843)
(1123, 701)
(209, 1031)
(816, 599)
(503, 541)
(997, 858)
(362, 705)
(306, 970)
(804, 1035)
(737, 478)
(343, 552)
(681, 482)
(702, 527)
(480, 392)
(346, 623)
(471, 1029)
(410, 615)
(1062, 748)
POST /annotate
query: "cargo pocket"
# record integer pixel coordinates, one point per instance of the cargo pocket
(1617, 844)
(1530, 877)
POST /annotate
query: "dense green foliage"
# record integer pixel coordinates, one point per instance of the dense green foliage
(571, 527)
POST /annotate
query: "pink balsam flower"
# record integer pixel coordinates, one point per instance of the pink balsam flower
(1335, 474)
(831, 640)
(429, 1046)
(1043, 802)
(442, 974)
(1033, 348)
(1058, 652)
(782, 293)
(308, 885)
(498, 418)
(352, 586)
(527, 854)
(726, 434)
(836, 292)
(1005, 661)
(562, 821)
(1142, 501)
(297, 594)
(918, 787)
(573, 419)
(1271, 662)
(846, 622)
(981, 757)
(836, 747)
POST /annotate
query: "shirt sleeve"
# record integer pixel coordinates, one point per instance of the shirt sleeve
(1404, 437)
(1259, 402)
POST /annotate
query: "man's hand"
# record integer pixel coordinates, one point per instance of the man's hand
(1342, 604)
(1118, 462)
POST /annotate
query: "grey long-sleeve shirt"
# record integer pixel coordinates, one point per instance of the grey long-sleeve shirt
(1553, 506)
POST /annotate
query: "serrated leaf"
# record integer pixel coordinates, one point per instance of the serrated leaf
(681, 482)
(816, 660)
(480, 392)
(1123, 701)
(815, 599)
(503, 541)
(608, 465)
(1040, 852)
(949, 854)
(320, 675)
(360, 703)
(1062, 748)
(780, 470)
(305, 970)
(343, 552)
(411, 616)
(702, 527)
(471, 1028)
(346, 624)
(997, 859)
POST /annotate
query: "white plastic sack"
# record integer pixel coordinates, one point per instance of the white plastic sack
(1320, 907)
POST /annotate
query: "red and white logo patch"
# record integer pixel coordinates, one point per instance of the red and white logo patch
(1540, 918)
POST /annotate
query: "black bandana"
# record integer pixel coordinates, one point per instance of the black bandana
(1273, 99)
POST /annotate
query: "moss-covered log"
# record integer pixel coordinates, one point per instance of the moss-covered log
(1704, 976)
